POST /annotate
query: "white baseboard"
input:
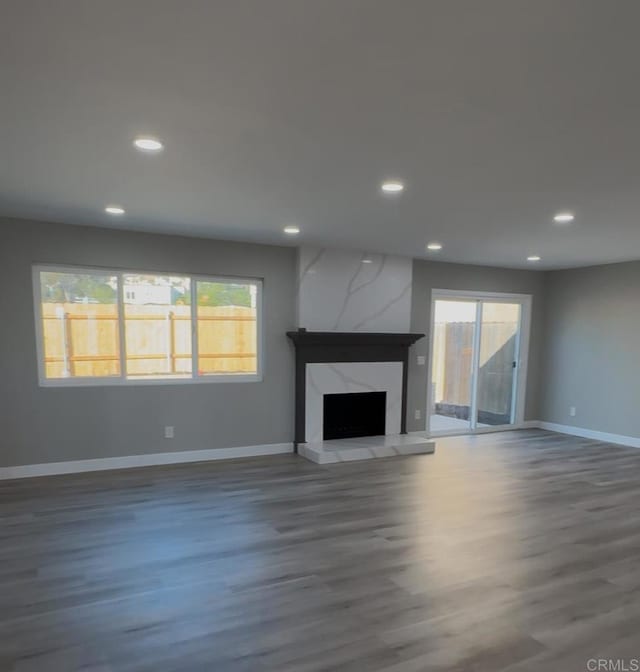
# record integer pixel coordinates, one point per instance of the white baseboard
(621, 439)
(606, 437)
(152, 459)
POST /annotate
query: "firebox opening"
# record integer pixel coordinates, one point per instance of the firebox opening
(354, 414)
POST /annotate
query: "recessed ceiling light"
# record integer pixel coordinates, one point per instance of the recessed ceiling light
(147, 144)
(564, 217)
(114, 210)
(533, 257)
(366, 260)
(392, 187)
(291, 230)
(434, 247)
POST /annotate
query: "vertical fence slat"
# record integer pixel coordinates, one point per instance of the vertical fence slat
(68, 343)
(172, 341)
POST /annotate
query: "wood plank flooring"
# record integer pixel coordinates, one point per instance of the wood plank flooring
(514, 552)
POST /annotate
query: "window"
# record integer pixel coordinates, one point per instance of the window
(113, 327)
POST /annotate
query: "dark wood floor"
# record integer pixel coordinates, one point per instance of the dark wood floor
(517, 551)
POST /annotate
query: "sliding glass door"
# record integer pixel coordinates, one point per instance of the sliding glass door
(476, 362)
(499, 328)
(452, 365)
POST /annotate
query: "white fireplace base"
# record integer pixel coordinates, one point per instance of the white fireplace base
(366, 448)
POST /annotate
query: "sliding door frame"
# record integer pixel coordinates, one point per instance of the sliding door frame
(522, 355)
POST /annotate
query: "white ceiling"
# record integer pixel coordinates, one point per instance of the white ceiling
(495, 114)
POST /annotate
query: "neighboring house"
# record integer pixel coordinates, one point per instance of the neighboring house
(151, 294)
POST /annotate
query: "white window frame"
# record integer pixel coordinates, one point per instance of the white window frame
(102, 381)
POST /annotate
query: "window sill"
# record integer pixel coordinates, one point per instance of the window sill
(138, 382)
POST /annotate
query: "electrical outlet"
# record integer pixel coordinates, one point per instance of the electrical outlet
(572, 411)
(417, 414)
(168, 432)
(422, 360)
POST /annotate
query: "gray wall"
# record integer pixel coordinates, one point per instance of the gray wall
(592, 356)
(428, 275)
(55, 424)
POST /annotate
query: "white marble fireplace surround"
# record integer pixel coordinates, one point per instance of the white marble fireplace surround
(342, 290)
(348, 377)
(343, 377)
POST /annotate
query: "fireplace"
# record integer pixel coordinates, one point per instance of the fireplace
(354, 414)
(347, 365)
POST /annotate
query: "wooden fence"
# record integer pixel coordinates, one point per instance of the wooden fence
(452, 364)
(83, 340)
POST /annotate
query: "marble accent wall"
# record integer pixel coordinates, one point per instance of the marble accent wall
(341, 290)
(344, 377)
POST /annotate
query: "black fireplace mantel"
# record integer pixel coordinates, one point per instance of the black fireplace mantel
(303, 338)
(335, 346)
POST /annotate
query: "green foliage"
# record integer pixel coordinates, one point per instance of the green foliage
(104, 293)
(72, 287)
(223, 294)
